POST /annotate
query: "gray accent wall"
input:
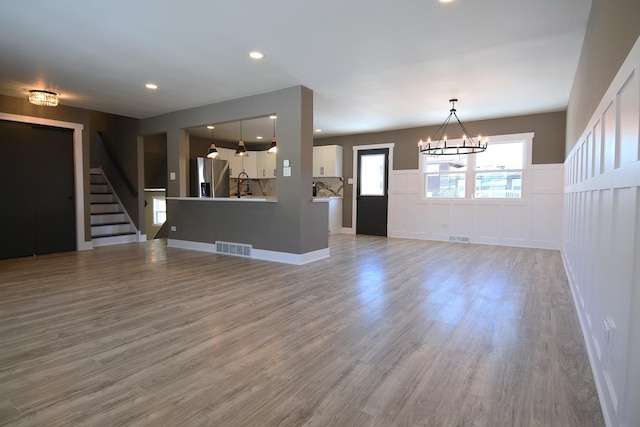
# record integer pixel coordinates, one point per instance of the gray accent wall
(294, 224)
(612, 30)
(548, 143)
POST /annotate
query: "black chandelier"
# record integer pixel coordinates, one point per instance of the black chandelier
(438, 145)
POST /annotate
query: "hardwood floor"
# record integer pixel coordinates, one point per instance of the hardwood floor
(387, 332)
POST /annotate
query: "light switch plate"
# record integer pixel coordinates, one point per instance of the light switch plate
(172, 176)
(285, 163)
(286, 171)
(350, 181)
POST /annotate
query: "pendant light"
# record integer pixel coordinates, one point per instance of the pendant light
(438, 145)
(273, 148)
(213, 151)
(241, 151)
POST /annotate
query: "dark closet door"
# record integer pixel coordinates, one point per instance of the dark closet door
(37, 182)
(55, 227)
(16, 183)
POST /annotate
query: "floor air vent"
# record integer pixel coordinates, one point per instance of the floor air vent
(237, 249)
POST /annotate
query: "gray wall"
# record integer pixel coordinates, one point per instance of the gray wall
(612, 29)
(292, 225)
(548, 143)
(155, 161)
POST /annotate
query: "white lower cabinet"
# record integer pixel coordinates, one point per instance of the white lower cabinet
(335, 215)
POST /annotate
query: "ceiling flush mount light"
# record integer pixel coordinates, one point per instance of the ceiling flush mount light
(45, 98)
(438, 145)
(241, 151)
(256, 55)
(213, 151)
(273, 148)
(151, 86)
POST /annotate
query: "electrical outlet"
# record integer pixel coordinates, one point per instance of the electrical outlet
(173, 228)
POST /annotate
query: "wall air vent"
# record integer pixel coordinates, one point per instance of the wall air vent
(460, 239)
(236, 249)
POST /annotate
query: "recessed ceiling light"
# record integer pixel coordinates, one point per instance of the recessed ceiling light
(211, 127)
(446, 1)
(256, 55)
(273, 117)
(151, 86)
(318, 130)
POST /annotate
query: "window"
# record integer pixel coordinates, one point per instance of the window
(372, 174)
(445, 176)
(496, 173)
(159, 210)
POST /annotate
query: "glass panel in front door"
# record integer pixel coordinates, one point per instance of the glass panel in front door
(372, 175)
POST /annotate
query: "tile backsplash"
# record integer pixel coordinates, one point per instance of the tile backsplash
(325, 187)
(329, 187)
(259, 187)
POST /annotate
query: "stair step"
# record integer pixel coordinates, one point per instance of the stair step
(102, 198)
(111, 229)
(116, 239)
(108, 218)
(128, 233)
(97, 179)
(104, 208)
(99, 188)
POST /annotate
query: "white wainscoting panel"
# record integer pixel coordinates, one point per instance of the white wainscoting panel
(601, 242)
(533, 221)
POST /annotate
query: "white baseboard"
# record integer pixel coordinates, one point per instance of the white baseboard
(348, 230)
(260, 254)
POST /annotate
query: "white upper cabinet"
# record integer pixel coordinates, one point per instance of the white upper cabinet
(249, 164)
(225, 153)
(266, 164)
(327, 161)
(259, 164)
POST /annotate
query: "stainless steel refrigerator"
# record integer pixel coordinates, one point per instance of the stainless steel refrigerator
(213, 177)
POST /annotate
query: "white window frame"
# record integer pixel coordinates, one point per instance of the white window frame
(470, 174)
(155, 211)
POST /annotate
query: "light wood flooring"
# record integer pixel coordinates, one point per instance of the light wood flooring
(387, 332)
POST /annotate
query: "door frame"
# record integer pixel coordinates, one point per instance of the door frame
(77, 172)
(356, 148)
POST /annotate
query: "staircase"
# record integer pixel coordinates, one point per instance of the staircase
(110, 224)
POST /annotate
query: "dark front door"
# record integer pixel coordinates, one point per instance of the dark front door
(37, 183)
(371, 192)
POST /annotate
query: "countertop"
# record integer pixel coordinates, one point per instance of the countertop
(325, 199)
(256, 199)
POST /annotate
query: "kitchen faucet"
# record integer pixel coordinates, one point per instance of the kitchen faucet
(248, 183)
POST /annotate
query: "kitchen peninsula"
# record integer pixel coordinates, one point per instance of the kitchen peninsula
(289, 228)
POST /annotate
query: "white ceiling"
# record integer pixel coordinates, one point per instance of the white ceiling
(372, 65)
